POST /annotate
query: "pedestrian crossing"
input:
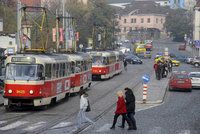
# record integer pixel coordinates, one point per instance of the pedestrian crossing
(70, 127)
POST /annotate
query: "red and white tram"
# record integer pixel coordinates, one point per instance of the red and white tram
(82, 76)
(106, 64)
(40, 79)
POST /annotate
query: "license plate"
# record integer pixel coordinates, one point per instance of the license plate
(20, 92)
(180, 82)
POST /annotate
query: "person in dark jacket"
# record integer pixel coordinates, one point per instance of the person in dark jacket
(121, 110)
(130, 105)
(155, 66)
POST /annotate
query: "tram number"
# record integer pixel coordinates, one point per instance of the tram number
(20, 92)
(67, 85)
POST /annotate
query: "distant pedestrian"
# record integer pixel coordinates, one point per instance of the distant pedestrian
(121, 110)
(130, 105)
(155, 66)
(125, 65)
(81, 118)
(170, 65)
(159, 70)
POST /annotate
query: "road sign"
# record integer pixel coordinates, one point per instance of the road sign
(146, 78)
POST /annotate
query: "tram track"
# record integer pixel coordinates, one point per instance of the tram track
(98, 116)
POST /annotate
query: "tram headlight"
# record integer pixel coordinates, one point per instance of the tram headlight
(10, 91)
(100, 71)
(31, 92)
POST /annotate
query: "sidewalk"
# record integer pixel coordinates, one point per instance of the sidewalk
(155, 92)
(1, 98)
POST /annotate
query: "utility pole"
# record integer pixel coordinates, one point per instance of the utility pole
(18, 26)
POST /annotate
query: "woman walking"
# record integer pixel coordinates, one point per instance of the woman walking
(130, 105)
(81, 118)
(121, 110)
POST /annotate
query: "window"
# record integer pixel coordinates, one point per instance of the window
(131, 20)
(48, 71)
(134, 21)
(54, 71)
(124, 29)
(130, 28)
(161, 20)
(148, 20)
(124, 20)
(142, 20)
(156, 20)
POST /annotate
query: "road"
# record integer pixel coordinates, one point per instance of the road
(179, 113)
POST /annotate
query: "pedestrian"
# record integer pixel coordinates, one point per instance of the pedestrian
(121, 110)
(155, 66)
(81, 118)
(170, 65)
(130, 105)
(125, 65)
(159, 70)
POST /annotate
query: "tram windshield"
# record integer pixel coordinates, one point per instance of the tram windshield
(97, 60)
(23, 72)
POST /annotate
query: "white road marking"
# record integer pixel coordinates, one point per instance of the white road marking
(34, 126)
(62, 124)
(13, 125)
(104, 128)
(142, 109)
(2, 122)
(155, 130)
(185, 132)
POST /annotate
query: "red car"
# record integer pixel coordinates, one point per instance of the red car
(180, 81)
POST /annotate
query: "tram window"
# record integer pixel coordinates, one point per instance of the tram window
(54, 71)
(73, 67)
(48, 71)
(57, 70)
(60, 70)
(105, 61)
(63, 69)
(40, 71)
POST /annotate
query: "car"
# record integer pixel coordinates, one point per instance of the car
(189, 60)
(133, 59)
(180, 81)
(175, 62)
(195, 78)
(196, 61)
(182, 47)
(181, 58)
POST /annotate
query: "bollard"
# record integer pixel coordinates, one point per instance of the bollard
(144, 93)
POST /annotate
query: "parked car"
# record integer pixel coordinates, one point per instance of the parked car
(182, 47)
(181, 58)
(133, 59)
(180, 81)
(189, 60)
(195, 78)
(196, 61)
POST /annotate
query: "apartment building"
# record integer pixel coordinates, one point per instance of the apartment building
(196, 31)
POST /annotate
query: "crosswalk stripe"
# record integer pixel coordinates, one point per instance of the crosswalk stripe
(34, 126)
(13, 125)
(105, 127)
(62, 124)
(2, 122)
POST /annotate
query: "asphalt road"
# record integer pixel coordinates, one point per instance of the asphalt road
(178, 114)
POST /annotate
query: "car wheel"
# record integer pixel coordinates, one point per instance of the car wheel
(196, 64)
(132, 62)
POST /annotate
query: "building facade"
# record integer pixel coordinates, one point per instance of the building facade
(130, 22)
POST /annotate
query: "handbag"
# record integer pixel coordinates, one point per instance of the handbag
(88, 109)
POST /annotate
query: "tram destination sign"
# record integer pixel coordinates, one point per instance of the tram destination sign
(23, 59)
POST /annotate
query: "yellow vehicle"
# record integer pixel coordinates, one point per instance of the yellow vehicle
(174, 62)
(140, 49)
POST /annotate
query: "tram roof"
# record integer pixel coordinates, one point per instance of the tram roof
(43, 58)
(79, 57)
(102, 53)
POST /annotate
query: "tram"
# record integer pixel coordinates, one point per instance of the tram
(42, 79)
(82, 75)
(106, 64)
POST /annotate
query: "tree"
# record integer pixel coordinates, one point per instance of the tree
(178, 23)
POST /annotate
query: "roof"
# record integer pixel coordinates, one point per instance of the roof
(145, 7)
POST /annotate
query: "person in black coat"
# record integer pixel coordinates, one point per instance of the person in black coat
(130, 106)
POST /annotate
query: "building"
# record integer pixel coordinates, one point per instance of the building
(31, 2)
(142, 16)
(1, 25)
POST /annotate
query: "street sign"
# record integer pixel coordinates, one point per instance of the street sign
(197, 43)
(146, 78)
